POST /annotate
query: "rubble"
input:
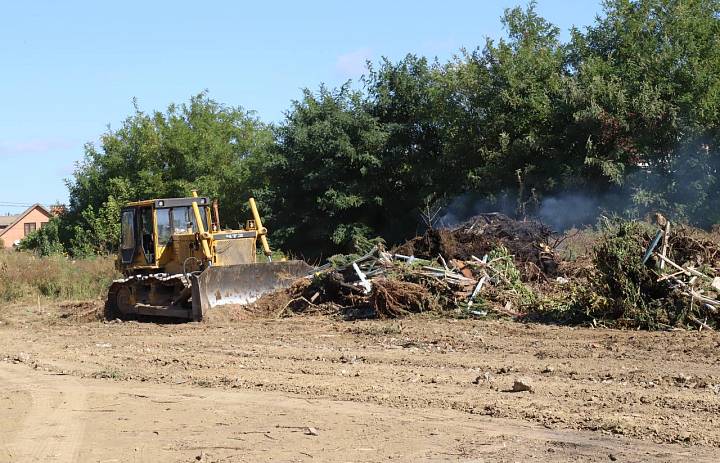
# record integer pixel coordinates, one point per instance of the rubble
(411, 279)
(383, 285)
(654, 277)
(699, 287)
(637, 276)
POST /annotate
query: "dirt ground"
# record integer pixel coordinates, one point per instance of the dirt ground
(316, 389)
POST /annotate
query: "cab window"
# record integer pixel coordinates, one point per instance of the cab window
(163, 226)
(128, 230)
(181, 222)
(183, 219)
(146, 235)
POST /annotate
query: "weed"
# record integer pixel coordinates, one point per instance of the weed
(26, 276)
(510, 277)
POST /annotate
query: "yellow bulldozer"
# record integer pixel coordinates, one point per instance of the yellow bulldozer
(177, 262)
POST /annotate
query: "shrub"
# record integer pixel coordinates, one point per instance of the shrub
(622, 290)
(45, 240)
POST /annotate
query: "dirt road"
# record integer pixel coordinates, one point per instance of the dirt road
(416, 390)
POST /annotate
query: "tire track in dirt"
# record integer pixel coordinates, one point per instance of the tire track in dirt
(53, 428)
(659, 387)
(164, 422)
(14, 405)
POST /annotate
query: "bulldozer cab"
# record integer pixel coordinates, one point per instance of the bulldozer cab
(149, 227)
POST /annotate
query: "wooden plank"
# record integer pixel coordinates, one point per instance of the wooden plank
(665, 240)
(673, 264)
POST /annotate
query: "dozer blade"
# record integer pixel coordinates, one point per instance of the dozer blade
(242, 284)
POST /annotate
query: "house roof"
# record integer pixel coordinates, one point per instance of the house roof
(6, 220)
(18, 218)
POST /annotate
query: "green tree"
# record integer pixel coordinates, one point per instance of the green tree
(510, 112)
(631, 106)
(215, 149)
(408, 99)
(648, 97)
(325, 174)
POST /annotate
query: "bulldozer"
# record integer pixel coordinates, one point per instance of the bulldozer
(178, 262)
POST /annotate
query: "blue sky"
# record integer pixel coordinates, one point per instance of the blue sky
(69, 69)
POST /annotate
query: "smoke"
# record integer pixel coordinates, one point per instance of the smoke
(468, 205)
(570, 210)
(683, 188)
(561, 212)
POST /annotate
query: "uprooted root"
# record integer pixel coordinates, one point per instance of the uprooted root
(327, 293)
(394, 298)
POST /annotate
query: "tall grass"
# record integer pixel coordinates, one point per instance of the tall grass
(26, 276)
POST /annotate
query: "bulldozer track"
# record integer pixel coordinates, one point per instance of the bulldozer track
(111, 309)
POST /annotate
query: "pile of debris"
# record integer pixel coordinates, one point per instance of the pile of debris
(528, 241)
(689, 262)
(479, 267)
(653, 277)
(636, 276)
(388, 285)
